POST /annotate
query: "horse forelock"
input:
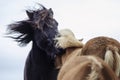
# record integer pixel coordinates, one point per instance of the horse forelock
(42, 17)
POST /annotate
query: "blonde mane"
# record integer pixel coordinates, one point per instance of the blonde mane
(66, 38)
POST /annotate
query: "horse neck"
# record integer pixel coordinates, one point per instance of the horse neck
(38, 55)
(70, 53)
(40, 62)
(36, 50)
(60, 60)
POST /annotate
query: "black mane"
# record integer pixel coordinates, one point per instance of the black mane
(25, 29)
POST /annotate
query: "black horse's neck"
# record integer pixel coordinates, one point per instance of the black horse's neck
(39, 66)
(39, 56)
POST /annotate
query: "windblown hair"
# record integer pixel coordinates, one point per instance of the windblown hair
(24, 29)
(66, 39)
(107, 49)
(112, 58)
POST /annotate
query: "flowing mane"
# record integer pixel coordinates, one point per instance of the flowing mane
(25, 29)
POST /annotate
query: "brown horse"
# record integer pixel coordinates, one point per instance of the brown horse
(73, 66)
(106, 48)
(70, 59)
(85, 68)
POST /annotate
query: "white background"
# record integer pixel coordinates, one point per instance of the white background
(86, 18)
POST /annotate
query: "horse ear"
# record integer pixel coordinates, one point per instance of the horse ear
(29, 14)
(81, 39)
(50, 12)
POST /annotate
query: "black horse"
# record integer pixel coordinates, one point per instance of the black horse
(41, 29)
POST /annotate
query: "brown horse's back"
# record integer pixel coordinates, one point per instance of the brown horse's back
(97, 46)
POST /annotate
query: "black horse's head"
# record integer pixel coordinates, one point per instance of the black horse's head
(40, 27)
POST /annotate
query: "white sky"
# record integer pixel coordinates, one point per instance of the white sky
(86, 18)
